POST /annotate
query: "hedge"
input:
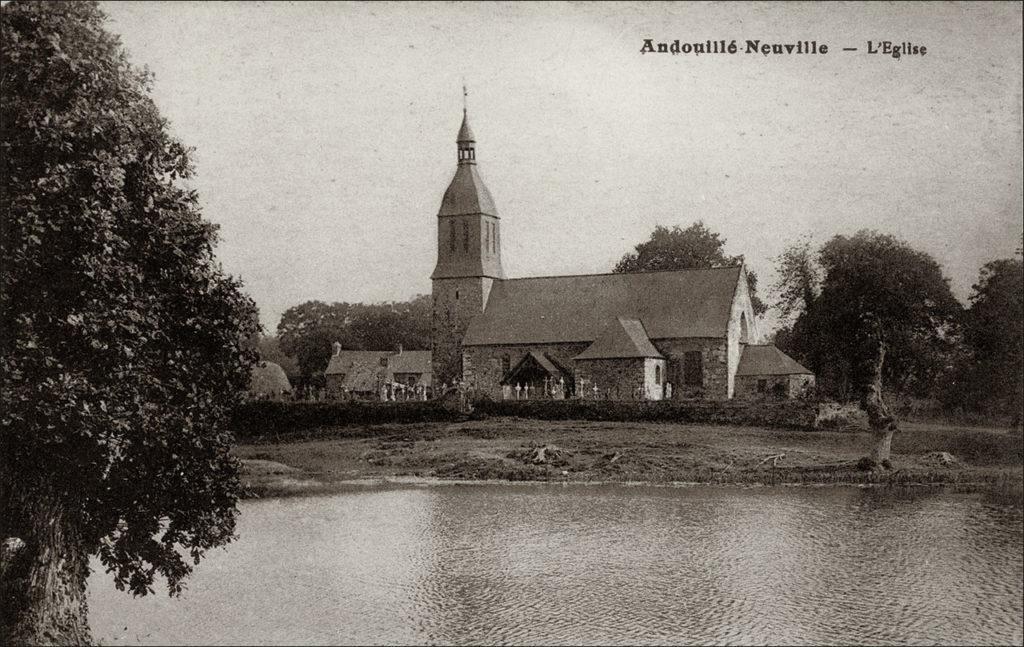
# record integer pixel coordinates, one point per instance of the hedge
(786, 414)
(268, 417)
(271, 418)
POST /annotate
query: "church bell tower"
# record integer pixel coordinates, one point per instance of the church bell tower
(468, 259)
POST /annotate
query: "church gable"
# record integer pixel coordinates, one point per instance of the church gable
(622, 338)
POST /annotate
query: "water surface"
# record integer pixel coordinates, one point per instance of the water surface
(597, 565)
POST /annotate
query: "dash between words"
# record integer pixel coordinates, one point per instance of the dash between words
(886, 47)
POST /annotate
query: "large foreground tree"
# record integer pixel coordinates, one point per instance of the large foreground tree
(123, 342)
(874, 307)
(684, 249)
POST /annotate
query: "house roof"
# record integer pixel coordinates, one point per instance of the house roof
(768, 360)
(621, 338)
(671, 304)
(362, 369)
(410, 361)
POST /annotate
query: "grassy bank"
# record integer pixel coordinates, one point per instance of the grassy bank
(538, 450)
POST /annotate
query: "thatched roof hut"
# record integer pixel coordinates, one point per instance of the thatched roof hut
(268, 379)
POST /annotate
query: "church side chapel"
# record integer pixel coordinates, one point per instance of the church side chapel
(680, 334)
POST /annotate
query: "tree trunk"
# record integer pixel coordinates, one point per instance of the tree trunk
(43, 572)
(883, 445)
(883, 423)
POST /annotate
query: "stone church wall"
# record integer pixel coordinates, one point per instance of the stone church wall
(455, 303)
(714, 359)
(654, 378)
(741, 330)
(482, 365)
(616, 379)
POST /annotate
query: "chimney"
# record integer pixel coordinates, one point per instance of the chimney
(337, 348)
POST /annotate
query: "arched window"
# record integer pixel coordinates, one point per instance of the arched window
(657, 373)
(744, 332)
(465, 236)
(487, 236)
(451, 237)
(506, 363)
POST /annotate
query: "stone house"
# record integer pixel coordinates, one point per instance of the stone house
(378, 374)
(647, 336)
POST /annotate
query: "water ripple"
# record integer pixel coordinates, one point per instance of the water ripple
(598, 565)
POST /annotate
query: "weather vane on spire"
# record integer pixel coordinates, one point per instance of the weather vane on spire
(465, 96)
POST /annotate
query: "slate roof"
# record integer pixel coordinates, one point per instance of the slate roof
(768, 360)
(410, 361)
(363, 372)
(671, 304)
(467, 194)
(621, 338)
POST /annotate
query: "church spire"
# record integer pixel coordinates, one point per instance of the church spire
(465, 141)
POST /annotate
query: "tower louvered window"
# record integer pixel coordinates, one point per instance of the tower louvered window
(451, 238)
(465, 236)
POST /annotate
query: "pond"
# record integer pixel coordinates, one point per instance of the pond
(577, 564)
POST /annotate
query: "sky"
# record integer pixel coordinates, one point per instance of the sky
(324, 133)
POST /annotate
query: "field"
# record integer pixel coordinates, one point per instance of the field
(536, 450)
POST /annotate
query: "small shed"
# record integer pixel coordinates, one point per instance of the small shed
(765, 371)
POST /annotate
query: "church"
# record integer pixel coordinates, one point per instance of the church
(681, 334)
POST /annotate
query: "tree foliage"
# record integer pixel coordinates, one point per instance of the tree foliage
(799, 279)
(988, 376)
(865, 289)
(683, 249)
(123, 339)
(308, 331)
(269, 349)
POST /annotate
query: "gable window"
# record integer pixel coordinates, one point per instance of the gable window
(693, 368)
